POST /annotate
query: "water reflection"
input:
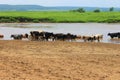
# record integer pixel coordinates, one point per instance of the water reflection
(75, 28)
(116, 40)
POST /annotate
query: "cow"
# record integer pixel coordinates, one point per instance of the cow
(63, 37)
(112, 35)
(41, 35)
(70, 37)
(25, 35)
(88, 38)
(17, 36)
(46, 36)
(34, 35)
(1, 36)
(59, 36)
(98, 37)
(92, 38)
(78, 37)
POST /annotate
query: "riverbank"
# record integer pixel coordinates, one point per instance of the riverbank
(58, 61)
(58, 17)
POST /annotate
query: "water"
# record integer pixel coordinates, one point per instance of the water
(75, 28)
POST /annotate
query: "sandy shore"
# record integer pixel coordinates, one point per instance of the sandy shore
(25, 60)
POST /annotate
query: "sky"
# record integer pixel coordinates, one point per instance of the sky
(78, 3)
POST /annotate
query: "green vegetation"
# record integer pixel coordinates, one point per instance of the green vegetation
(111, 9)
(59, 16)
(81, 10)
(96, 10)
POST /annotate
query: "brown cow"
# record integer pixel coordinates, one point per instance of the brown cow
(1, 36)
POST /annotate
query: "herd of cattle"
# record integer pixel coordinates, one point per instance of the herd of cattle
(47, 36)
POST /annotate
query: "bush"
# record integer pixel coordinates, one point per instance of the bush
(81, 10)
(36, 21)
(5, 20)
(113, 20)
(46, 20)
(96, 10)
(111, 9)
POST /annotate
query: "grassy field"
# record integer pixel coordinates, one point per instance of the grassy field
(57, 16)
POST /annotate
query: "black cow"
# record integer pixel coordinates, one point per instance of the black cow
(63, 37)
(17, 36)
(34, 35)
(70, 36)
(46, 36)
(112, 35)
(59, 36)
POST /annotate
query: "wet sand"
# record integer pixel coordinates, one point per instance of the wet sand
(27, 60)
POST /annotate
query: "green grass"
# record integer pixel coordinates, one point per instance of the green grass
(56, 16)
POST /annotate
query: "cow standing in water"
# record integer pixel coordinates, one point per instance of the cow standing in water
(19, 36)
(92, 38)
(112, 35)
(88, 38)
(25, 35)
(34, 35)
(98, 37)
(1, 36)
(63, 37)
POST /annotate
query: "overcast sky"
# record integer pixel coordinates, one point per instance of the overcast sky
(87, 3)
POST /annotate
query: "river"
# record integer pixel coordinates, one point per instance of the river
(75, 28)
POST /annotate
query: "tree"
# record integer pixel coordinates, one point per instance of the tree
(111, 9)
(81, 10)
(96, 10)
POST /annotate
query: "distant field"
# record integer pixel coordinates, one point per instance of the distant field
(59, 16)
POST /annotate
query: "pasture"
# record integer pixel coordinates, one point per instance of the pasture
(59, 16)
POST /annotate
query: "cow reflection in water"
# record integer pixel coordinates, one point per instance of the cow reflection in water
(19, 36)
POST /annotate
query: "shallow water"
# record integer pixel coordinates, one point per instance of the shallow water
(75, 28)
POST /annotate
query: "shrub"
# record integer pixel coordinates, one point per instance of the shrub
(111, 9)
(5, 20)
(36, 21)
(81, 10)
(45, 20)
(97, 10)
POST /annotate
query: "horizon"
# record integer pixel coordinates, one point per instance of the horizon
(66, 3)
(53, 6)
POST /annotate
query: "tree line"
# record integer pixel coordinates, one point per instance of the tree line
(82, 10)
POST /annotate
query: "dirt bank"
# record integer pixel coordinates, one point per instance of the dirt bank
(25, 60)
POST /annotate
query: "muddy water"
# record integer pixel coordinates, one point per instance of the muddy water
(75, 28)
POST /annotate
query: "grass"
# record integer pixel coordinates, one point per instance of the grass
(57, 16)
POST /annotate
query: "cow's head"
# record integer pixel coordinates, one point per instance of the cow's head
(109, 34)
